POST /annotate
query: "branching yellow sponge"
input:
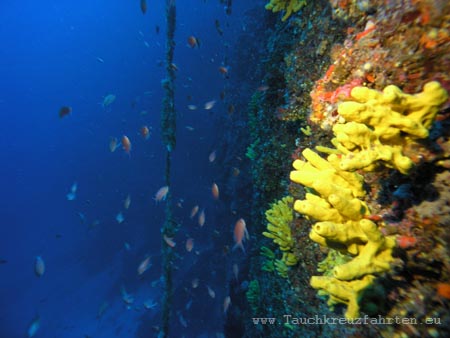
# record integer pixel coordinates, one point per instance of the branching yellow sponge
(379, 124)
(348, 293)
(290, 6)
(280, 217)
(343, 226)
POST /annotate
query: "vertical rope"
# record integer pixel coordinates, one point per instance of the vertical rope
(168, 118)
(168, 127)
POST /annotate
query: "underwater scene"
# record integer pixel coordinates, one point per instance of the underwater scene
(219, 168)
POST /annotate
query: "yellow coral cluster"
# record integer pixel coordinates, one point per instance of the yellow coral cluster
(374, 127)
(379, 124)
(343, 226)
(290, 6)
(280, 217)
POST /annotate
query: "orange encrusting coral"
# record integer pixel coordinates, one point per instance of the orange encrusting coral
(443, 289)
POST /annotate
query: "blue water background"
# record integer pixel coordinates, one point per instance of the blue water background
(48, 59)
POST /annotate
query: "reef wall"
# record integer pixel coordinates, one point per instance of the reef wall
(356, 95)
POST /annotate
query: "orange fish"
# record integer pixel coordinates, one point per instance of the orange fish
(240, 234)
(143, 6)
(169, 241)
(194, 211)
(201, 218)
(145, 132)
(215, 191)
(223, 70)
(193, 42)
(189, 244)
(126, 144)
(161, 194)
(65, 110)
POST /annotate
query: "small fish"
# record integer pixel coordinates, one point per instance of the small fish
(108, 100)
(201, 218)
(192, 107)
(113, 144)
(143, 6)
(235, 271)
(126, 297)
(34, 326)
(146, 44)
(120, 218)
(218, 28)
(73, 192)
(194, 211)
(39, 266)
(182, 320)
(226, 304)
(215, 191)
(195, 283)
(64, 111)
(157, 29)
(190, 128)
(126, 144)
(180, 203)
(240, 234)
(144, 266)
(127, 202)
(224, 70)
(212, 156)
(101, 309)
(211, 292)
(82, 217)
(169, 241)
(236, 171)
(231, 109)
(94, 224)
(189, 244)
(99, 59)
(222, 95)
(161, 194)
(127, 246)
(150, 304)
(193, 42)
(209, 105)
(262, 88)
(145, 132)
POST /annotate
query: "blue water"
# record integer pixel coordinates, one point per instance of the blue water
(51, 56)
